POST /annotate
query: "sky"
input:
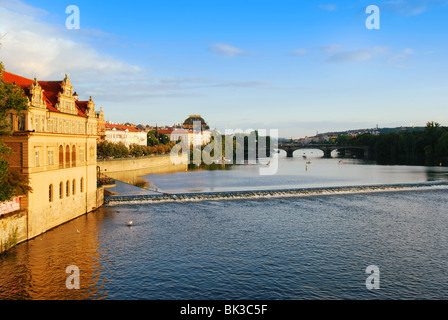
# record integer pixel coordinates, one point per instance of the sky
(297, 66)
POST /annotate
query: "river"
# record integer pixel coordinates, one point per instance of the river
(285, 248)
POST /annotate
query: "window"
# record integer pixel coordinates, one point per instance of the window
(67, 189)
(81, 155)
(21, 123)
(81, 185)
(36, 128)
(67, 156)
(74, 186)
(50, 159)
(50, 193)
(74, 156)
(61, 187)
(36, 157)
(61, 157)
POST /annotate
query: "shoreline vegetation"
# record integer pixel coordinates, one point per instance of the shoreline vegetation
(428, 146)
(225, 150)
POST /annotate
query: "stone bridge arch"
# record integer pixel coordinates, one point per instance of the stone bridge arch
(290, 148)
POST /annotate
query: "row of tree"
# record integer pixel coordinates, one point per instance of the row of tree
(423, 147)
(107, 149)
(236, 147)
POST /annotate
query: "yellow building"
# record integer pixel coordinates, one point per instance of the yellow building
(54, 145)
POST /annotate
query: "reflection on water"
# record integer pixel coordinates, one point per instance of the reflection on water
(285, 248)
(295, 248)
(36, 269)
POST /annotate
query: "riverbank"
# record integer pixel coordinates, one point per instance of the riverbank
(130, 170)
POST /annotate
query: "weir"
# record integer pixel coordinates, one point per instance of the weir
(299, 192)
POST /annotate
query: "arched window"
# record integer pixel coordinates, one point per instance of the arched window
(81, 185)
(61, 157)
(74, 156)
(67, 156)
(61, 187)
(50, 193)
(74, 187)
(67, 189)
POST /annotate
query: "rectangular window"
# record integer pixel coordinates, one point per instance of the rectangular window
(21, 123)
(50, 159)
(36, 158)
(50, 193)
(81, 155)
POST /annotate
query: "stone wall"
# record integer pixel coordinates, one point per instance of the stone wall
(130, 171)
(13, 229)
(155, 164)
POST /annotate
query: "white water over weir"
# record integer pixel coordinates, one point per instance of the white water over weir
(283, 193)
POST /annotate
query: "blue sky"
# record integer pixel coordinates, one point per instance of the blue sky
(296, 66)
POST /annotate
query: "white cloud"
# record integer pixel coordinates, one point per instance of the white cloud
(226, 50)
(412, 7)
(22, 8)
(327, 7)
(409, 51)
(330, 48)
(401, 57)
(34, 48)
(358, 55)
(299, 52)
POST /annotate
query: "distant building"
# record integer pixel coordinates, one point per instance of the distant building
(128, 135)
(54, 147)
(195, 122)
(196, 138)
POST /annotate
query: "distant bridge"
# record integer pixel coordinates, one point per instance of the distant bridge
(326, 148)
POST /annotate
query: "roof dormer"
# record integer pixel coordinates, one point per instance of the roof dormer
(36, 95)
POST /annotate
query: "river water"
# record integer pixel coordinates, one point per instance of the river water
(308, 247)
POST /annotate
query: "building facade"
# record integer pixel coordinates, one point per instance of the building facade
(54, 146)
(128, 135)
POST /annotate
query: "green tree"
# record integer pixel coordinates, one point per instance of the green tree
(120, 150)
(155, 138)
(12, 98)
(136, 150)
(343, 140)
(442, 147)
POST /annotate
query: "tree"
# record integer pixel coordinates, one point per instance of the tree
(12, 98)
(136, 150)
(120, 150)
(155, 138)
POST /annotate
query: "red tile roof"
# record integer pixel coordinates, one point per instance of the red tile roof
(176, 130)
(51, 91)
(18, 80)
(121, 127)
